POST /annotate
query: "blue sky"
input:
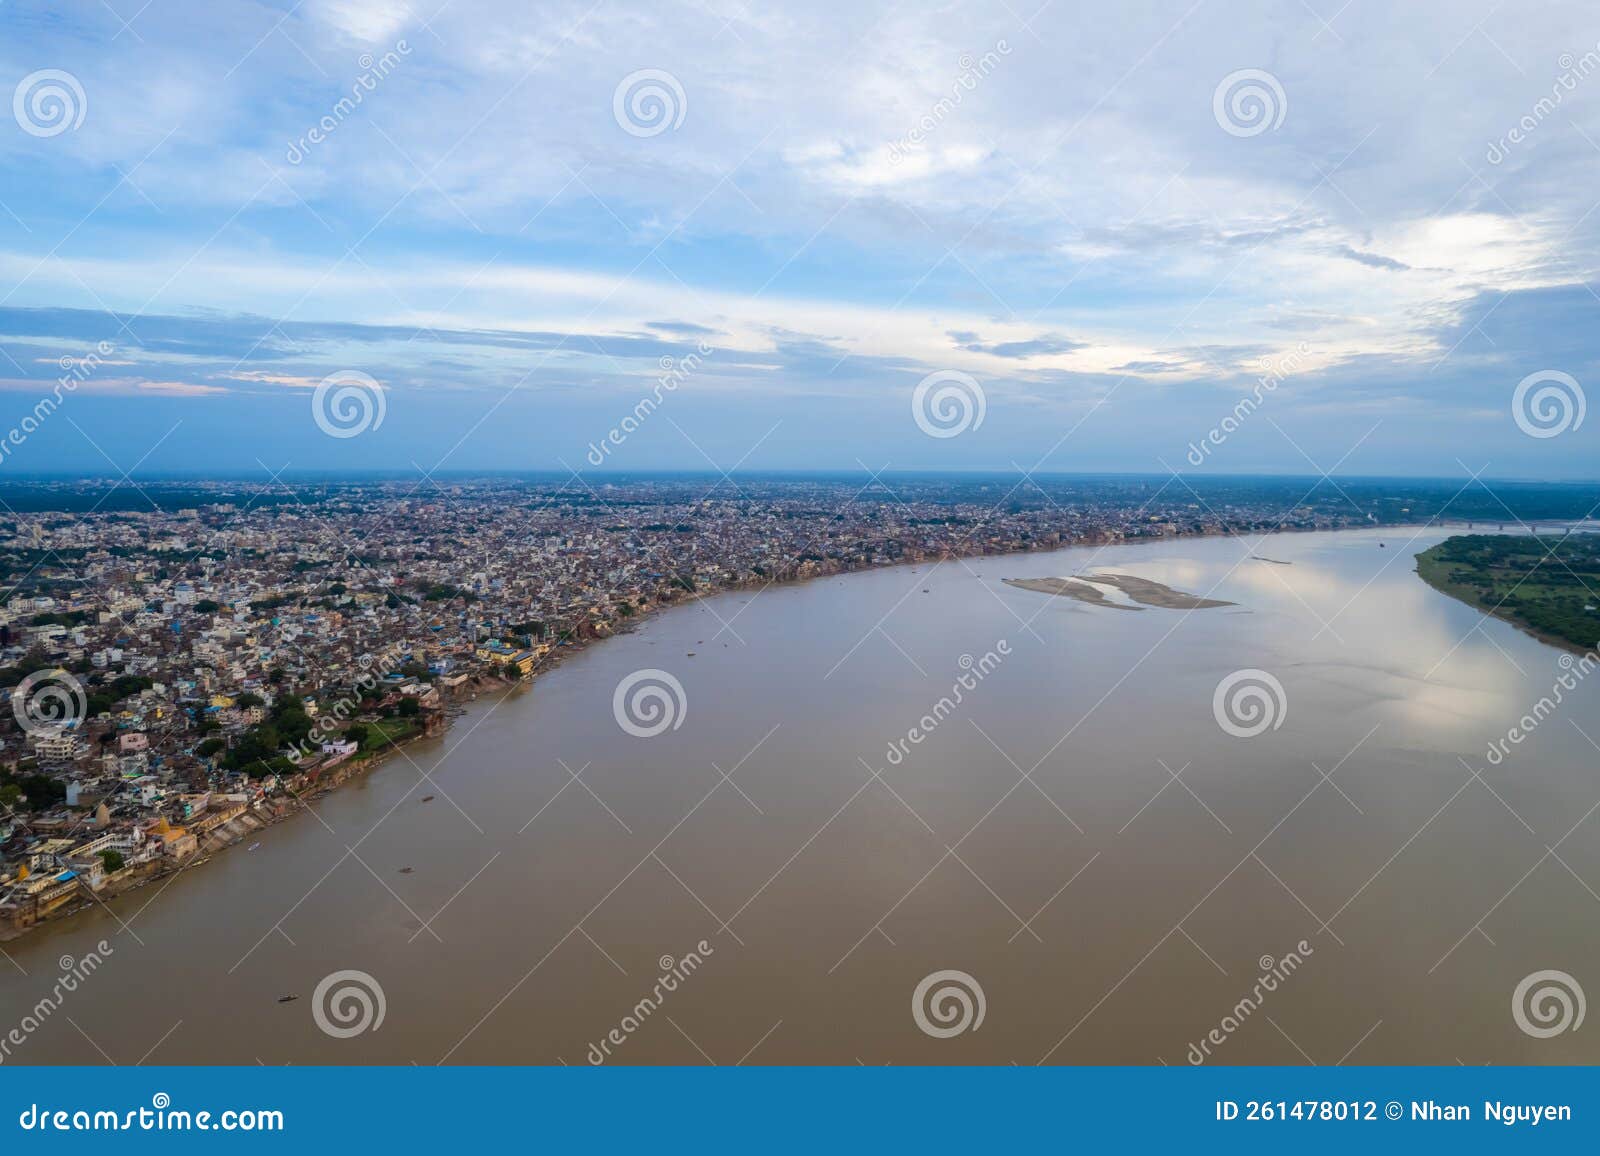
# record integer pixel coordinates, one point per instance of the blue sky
(810, 210)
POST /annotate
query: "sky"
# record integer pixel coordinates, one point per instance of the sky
(446, 235)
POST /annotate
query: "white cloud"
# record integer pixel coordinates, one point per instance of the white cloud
(1082, 188)
(370, 21)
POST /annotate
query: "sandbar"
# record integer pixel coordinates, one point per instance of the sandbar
(1067, 588)
(1144, 591)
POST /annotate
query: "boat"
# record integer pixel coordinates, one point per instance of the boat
(287, 998)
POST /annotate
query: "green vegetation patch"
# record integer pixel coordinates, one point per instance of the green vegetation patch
(1547, 585)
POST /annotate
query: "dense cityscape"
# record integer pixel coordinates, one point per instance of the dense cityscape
(186, 674)
(183, 674)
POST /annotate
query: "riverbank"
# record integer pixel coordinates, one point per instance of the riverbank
(251, 819)
(274, 809)
(1547, 592)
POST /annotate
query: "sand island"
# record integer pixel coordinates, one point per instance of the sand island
(1144, 591)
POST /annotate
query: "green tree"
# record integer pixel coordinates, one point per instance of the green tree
(257, 745)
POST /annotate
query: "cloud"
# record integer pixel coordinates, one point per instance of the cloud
(1033, 347)
(368, 21)
(1148, 367)
(1075, 226)
(1371, 260)
(180, 388)
(682, 328)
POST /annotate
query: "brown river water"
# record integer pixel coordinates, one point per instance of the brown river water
(1079, 835)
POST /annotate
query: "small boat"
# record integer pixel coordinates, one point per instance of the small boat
(253, 846)
(406, 870)
(287, 998)
(688, 654)
(427, 798)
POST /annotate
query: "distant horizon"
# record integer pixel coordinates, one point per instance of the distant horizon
(775, 472)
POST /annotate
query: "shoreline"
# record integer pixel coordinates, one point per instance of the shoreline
(257, 817)
(252, 819)
(1495, 612)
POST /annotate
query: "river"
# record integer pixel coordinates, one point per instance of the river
(1079, 836)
